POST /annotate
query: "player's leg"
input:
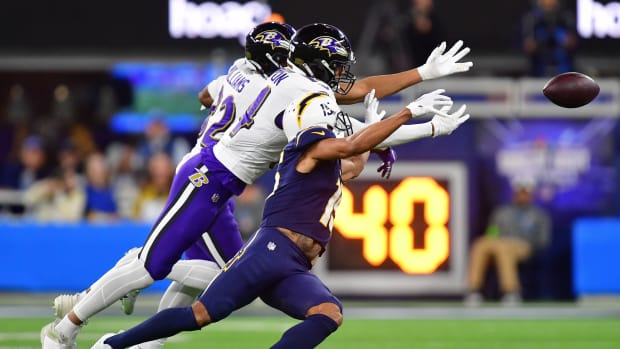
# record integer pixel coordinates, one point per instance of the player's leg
(220, 244)
(105, 291)
(267, 257)
(176, 295)
(222, 241)
(189, 211)
(64, 303)
(303, 296)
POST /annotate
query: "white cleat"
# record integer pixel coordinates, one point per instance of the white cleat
(64, 303)
(128, 301)
(51, 339)
(100, 343)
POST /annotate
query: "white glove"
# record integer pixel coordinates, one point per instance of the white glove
(445, 123)
(371, 103)
(427, 102)
(441, 64)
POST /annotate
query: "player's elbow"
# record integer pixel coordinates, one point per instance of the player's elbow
(355, 171)
(353, 166)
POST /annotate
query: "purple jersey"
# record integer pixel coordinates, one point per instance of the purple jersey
(305, 202)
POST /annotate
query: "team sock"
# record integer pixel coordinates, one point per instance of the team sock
(307, 334)
(164, 324)
(67, 328)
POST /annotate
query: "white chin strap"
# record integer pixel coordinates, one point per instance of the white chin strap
(328, 68)
(255, 65)
(270, 58)
(308, 70)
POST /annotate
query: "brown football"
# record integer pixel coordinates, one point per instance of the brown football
(571, 90)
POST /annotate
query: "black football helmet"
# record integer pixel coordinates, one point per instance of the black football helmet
(324, 52)
(267, 46)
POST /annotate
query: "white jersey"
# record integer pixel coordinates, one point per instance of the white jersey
(254, 144)
(232, 94)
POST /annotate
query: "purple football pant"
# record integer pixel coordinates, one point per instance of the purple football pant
(200, 191)
(222, 241)
(272, 267)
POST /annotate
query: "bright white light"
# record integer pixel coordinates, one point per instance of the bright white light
(230, 19)
(597, 19)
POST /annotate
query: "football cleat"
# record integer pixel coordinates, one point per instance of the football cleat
(100, 343)
(64, 303)
(129, 301)
(51, 339)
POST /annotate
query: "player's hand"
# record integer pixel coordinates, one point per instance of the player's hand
(446, 123)
(429, 103)
(388, 156)
(441, 64)
(371, 103)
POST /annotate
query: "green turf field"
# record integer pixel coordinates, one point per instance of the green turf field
(261, 332)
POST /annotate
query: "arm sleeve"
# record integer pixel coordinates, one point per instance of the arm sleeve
(404, 134)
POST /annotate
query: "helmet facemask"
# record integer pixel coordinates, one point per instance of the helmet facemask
(324, 52)
(342, 79)
(343, 126)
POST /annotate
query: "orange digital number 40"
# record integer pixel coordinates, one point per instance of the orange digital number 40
(378, 243)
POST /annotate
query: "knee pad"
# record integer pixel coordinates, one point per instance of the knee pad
(130, 255)
(194, 273)
(178, 295)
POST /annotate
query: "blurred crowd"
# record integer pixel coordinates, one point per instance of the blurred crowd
(66, 173)
(69, 181)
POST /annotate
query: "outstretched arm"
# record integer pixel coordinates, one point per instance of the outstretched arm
(437, 65)
(384, 85)
(440, 125)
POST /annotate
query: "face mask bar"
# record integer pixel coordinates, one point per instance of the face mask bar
(342, 83)
(343, 124)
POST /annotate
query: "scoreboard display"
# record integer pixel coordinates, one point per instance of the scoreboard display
(402, 236)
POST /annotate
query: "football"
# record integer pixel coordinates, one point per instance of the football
(571, 90)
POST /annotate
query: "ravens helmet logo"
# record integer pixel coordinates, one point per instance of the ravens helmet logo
(329, 44)
(273, 38)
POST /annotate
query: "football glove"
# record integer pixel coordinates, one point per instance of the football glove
(445, 123)
(371, 103)
(388, 156)
(441, 64)
(428, 102)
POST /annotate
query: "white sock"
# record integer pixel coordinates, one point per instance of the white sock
(68, 329)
